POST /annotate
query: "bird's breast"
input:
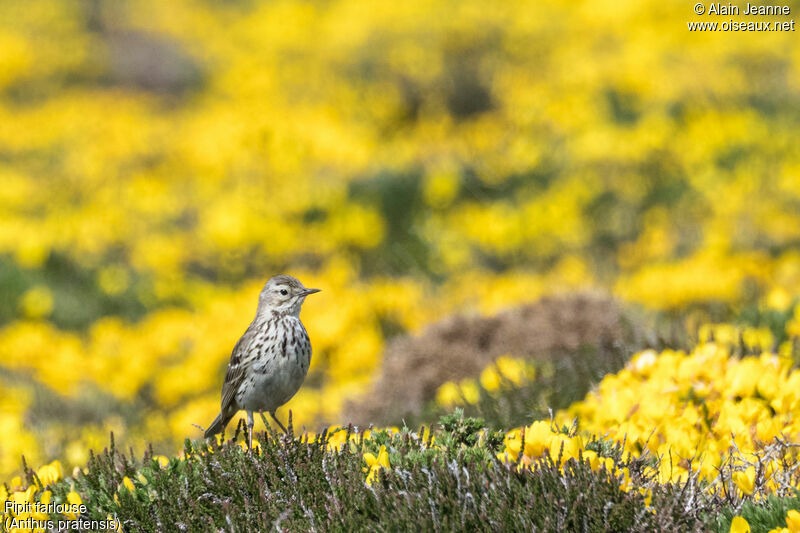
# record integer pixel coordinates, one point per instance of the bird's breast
(279, 366)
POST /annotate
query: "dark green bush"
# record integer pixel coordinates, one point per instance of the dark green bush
(294, 485)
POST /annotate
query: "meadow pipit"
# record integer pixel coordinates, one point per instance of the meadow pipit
(270, 361)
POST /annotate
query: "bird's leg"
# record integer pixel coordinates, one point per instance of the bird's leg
(250, 424)
(275, 418)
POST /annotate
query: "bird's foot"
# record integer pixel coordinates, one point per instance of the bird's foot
(275, 418)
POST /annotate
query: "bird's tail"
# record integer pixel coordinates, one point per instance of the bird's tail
(217, 425)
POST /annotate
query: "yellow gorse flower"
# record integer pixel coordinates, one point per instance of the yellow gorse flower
(745, 480)
(695, 402)
(50, 473)
(515, 370)
(45, 499)
(739, 525)
(793, 521)
(466, 391)
(374, 464)
(128, 484)
(75, 499)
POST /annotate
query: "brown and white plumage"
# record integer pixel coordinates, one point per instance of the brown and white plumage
(271, 360)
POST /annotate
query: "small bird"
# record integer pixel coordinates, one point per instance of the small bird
(270, 361)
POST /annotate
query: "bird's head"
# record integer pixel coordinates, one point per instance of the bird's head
(283, 294)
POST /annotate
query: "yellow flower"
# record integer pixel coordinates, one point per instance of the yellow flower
(128, 484)
(745, 480)
(337, 439)
(75, 499)
(538, 437)
(117, 524)
(50, 473)
(256, 446)
(448, 394)
(778, 298)
(513, 444)
(648, 496)
(376, 463)
(793, 521)
(490, 378)
(371, 460)
(506, 367)
(739, 525)
(567, 447)
(470, 391)
(760, 338)
(743, 377)
(515, 369)
(45, 499)
(37, 302)
(593, 459)
(29, 492)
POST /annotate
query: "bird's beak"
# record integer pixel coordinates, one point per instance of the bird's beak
(310, 291)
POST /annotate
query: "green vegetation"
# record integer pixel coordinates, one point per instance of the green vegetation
(449, 482)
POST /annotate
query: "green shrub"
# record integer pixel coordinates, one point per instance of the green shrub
(450, 481)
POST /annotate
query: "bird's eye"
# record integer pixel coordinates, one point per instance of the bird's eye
(284, 292)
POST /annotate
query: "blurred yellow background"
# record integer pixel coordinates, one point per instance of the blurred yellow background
(160, 160)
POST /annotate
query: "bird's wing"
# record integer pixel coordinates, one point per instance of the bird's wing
(236, 372)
